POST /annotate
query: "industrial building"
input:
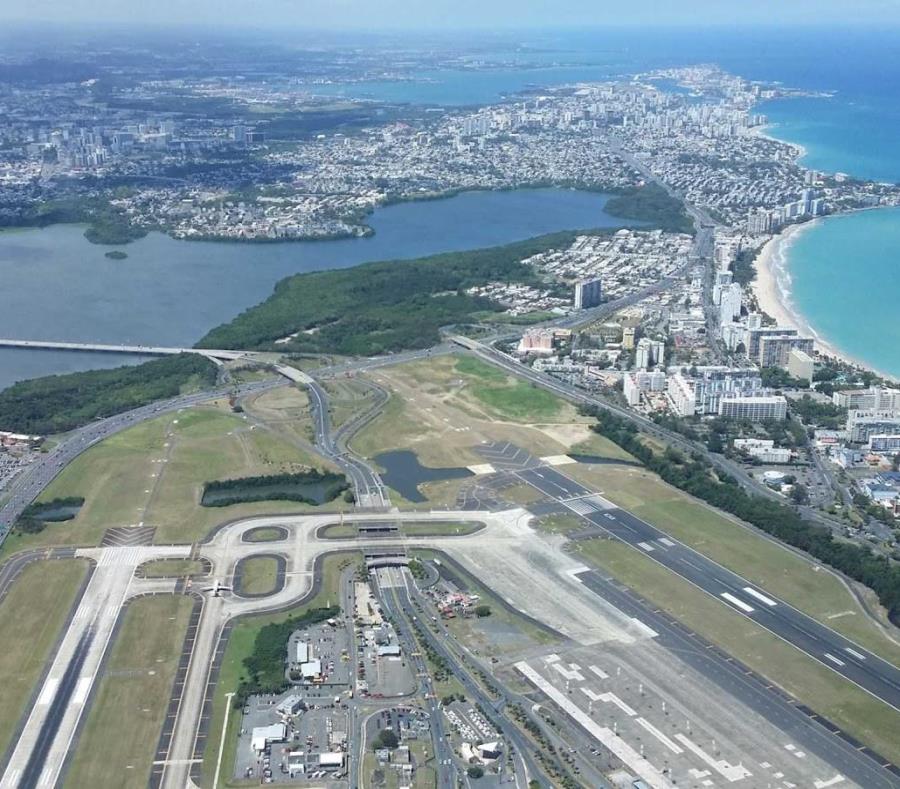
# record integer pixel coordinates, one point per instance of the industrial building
(265, 735)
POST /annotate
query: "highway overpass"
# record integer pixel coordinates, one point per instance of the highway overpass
(143, 350)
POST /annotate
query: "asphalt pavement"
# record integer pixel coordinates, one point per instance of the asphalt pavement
(839, 654)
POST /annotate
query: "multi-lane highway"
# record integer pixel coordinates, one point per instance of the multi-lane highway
(844, 657)
(389, 583)
(368, 487)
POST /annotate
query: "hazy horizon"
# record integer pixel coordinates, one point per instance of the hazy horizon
(500, 15)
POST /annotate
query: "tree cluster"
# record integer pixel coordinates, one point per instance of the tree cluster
(695, 476)
(57, 403)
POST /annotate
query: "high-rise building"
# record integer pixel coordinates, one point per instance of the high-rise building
(755, 335)
(730, 301)
(633, 384)
(800, 365)
(628, 338)
(775, 351)
(758, 408)
(872, 399)
(643, 358)
(588, 293)
(759, 222)
(862, 425)
(700, 390)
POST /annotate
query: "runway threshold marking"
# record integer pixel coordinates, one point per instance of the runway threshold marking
(747, 609)
(759, 596)
(835, 660)
(855, 654)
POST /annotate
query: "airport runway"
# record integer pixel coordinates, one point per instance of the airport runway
(844, 657)
(45, 741)
(800, 724)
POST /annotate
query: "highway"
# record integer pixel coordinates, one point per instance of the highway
(370, 491)
(398, 615)
(29, 485)
(403, 606)
(142, 350)
(853, 662)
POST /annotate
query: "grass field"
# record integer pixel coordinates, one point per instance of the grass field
(285, 409)
(263, 534)
(171, 568)
(240, 645)
(348, 397)
(442, 408)
(32, 615)
(783, 573)
(118, 743)
(561, 524)
(259, 575)
(154, 472)
(851, 708)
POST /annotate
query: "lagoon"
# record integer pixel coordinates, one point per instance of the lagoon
(55, 285)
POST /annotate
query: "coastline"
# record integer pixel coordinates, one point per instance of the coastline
(772, 290)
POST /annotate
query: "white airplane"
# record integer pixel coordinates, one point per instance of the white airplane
(217, 588)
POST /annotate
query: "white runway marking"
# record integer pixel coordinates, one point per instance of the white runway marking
(646, 629)
(759, 596)
(728, 771)
(599, 672)
(646, 546)
(81, 690)
(660, 736)
(835, 660)
(580, 507)
(736, 602)
(621, 749)
(855, 654)
(830, 782)
(48, 691)
(667, 542)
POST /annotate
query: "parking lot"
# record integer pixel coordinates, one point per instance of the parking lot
(319, 659)
(314, 746)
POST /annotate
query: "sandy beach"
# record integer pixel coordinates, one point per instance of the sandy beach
(772, 288)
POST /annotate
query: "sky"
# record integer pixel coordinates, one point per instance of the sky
(441, 14)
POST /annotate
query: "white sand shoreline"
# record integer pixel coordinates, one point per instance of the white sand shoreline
(772, 289)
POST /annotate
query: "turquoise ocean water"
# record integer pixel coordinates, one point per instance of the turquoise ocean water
(845, 270)
(845, 280)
